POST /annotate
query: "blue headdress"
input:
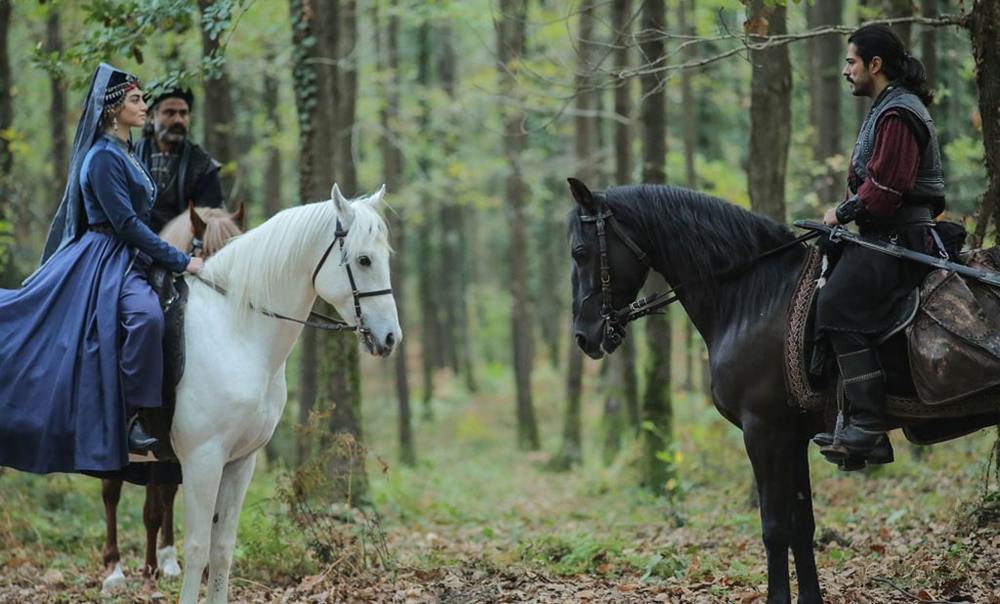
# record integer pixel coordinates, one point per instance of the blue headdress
(107, 91)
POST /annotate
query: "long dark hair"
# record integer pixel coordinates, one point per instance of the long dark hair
(878, 40)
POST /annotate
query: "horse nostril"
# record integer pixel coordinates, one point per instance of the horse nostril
(390, 340)
(581, 340)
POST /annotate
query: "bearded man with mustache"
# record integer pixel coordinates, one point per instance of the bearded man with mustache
(183, 171)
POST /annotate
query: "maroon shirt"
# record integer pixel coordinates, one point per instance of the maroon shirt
(892, 169)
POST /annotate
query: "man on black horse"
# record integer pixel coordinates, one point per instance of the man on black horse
(896, 190)
(183, 171)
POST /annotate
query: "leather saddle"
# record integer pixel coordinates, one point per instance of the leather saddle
(926, 349)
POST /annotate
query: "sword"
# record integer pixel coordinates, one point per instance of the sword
(838, 232)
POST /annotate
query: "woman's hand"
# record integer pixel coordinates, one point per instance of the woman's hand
(195, 265)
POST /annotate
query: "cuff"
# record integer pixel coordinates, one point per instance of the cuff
(848, 209)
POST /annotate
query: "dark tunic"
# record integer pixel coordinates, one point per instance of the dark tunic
(191, 174)
(73, 348)
(865, 286)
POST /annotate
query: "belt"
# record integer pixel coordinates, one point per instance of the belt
(910, 215)
(101, 227)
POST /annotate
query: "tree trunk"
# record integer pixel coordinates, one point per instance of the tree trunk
(770, 117)
(510, 41)
(8, 277)
(427, 275)
(900, 8)
(346, 466)
(311, 83)
(657, 410)
(273, 201)
(620, 377)
(217, 115)
(387, 58)
(984, 31)
(57, 111)
(825, 93)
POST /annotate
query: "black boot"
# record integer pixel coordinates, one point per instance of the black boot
(138, 440)
(881, 454)
(864, 431)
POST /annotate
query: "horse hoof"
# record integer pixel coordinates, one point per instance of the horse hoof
(166, 559)
(114, 581)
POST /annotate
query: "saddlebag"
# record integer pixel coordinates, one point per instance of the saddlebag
(954, 341)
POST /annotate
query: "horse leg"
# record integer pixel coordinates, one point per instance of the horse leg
(769, 453)
(803, 530)
(166, 556)
(111, 492)
(202, 473)
(152, 516)
(235, 480)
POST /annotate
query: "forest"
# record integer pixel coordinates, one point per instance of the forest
(488, 459)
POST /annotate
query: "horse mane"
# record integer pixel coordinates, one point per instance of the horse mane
(257, 266)
(700, 236)
(219, 229)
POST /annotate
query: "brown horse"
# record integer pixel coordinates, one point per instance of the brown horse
(211, 228)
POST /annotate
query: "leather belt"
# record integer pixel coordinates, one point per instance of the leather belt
(102, 227)
(910, 215)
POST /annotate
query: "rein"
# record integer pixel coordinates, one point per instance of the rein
(316, 319)
(615, 320)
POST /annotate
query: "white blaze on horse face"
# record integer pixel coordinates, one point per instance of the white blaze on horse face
(366, 251)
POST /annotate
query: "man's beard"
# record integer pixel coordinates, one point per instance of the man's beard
(172, 135)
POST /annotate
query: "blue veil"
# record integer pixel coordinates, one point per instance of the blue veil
(70, 218)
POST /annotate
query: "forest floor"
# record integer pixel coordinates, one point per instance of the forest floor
(477, 521)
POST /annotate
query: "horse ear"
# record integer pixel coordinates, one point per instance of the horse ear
(197, 224)
(377, 197)
(582, 194)
(343, 206)
(239, 216)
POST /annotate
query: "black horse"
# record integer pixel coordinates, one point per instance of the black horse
(737, 292)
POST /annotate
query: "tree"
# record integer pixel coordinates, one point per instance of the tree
(657, 408)
(983, 23)
(387, 59)
(273, 173)
(218, 113)
(510, 28)
(57, 109)
(770, 111)
(7, 276)
(825, 93)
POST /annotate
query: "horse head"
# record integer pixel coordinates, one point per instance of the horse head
(203, 231)
(353, 272)
(607, 275)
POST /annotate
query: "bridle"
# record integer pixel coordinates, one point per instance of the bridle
(340, 234)
(615, 319)
(319, 320)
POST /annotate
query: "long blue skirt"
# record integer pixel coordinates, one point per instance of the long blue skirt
(62, 398)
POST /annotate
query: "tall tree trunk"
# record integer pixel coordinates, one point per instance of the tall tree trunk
(770, 116)
(900, 8)
(311, 39)
(273, 201)
(217, 114)
(387, 58)
(825, 93)
(510, 27)
(341, 363)
(427, 275)
(8, 278)
(984, 30)
(620, 377)
(57, 110)
(657, 408)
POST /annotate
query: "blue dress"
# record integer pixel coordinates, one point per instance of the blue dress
(70, 345)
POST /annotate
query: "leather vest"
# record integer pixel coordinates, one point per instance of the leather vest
(929, 186)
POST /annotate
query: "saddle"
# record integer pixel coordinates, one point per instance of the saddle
(945, 337)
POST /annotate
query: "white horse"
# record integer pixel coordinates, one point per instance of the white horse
(233, 390)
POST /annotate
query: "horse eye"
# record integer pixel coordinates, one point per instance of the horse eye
(365, 261)
(580, 254)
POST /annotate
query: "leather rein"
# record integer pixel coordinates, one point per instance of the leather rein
(319, 320)
(615, 319)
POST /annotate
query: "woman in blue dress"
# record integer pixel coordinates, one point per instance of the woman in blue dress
(80, 342)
